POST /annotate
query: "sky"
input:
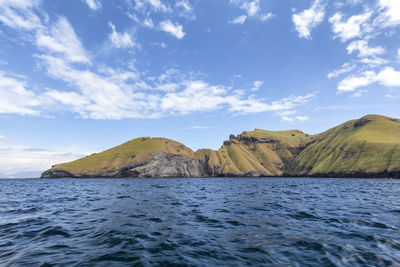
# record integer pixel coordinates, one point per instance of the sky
(82, 76)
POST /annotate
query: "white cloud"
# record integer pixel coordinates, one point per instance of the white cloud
(391, 12)
(239, 20)
(290, 116)
(2, 137)
(346, 67)
(19, 15)
(102, 96)
(251, 7)
(359, 93)
(15, 98)
(398, 53)
(148, 23)
(120, 40)
(387, 77)
(93, 4)
(156, 5)
(256, 105)
(308, 19)
(363, 49)
(354, 27)
(355, 81)
(201, 127)
(17, 158)
(184, 9)
(266, 17)
(174, 29)
(60, 38)
(374, 61)
(101, 92)
(257, 85)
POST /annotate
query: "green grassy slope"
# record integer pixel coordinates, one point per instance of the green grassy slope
(368, 145)
(264, 152)
(136, 150)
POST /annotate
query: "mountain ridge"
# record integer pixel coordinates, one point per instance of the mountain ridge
(365, 147)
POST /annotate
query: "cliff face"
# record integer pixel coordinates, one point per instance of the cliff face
(368, 147)
(161, 165)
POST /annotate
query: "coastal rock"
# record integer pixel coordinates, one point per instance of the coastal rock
(168, 165)
(55, 173)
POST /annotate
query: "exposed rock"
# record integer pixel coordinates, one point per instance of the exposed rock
(161, 165)
(360, 122)
(55, 173)
(169, 165)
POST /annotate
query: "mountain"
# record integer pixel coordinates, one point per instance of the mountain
(367, 147)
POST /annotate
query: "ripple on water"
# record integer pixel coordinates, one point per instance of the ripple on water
(206, 222)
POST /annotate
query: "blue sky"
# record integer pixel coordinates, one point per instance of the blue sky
(81, 76)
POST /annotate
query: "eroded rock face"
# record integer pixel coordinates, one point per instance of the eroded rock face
(169, 165)
(161, 165)
(54, 173)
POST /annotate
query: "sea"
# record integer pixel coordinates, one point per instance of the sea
(200, 222)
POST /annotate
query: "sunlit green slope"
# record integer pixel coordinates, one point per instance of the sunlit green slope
(267, 153)
(137, 150)
(368, 145)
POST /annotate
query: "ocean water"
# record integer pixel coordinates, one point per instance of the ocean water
(200, 222)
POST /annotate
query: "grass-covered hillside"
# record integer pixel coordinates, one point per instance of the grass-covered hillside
(260, 151)
(137, 150)
(368, 146)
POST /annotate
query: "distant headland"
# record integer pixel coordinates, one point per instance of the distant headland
(366, 147)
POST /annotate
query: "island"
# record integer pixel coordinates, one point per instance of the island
(365, 147)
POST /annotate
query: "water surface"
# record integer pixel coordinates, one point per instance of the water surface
(204, 221)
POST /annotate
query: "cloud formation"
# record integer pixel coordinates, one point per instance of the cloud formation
(308, 19)
(120, 40)
(93, 4)
(173, 29)
(14, 158)
(252, 9)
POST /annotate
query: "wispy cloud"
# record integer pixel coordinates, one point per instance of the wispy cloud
(363, 49)
(266, 16)
(308, 19)
(101, 92)
(388, 77)
(15, 98)
(17, 158)
(239, 20)
(347, 67)
(252, 9)
(201, 127)
(290, 116)
(61, 39)
(354, 26)
(257, 85)
(93, 4)
(120, 40)
(173, 29)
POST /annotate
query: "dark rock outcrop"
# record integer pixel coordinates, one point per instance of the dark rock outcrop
(161, 165)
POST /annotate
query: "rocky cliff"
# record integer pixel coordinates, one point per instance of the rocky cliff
(367, 147)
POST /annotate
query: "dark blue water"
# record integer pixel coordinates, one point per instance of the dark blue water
(207, 222)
